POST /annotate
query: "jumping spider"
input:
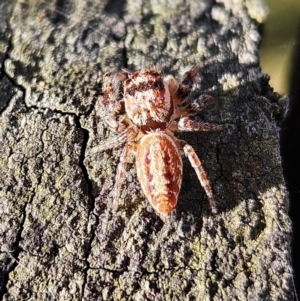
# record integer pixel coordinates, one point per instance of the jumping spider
(145, 109)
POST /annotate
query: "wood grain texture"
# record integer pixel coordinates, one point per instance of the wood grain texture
(60, 237)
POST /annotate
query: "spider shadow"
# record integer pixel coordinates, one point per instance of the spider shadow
(234, 157)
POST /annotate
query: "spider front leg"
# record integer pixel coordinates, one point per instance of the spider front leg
(186, 85)
(201, 174)
(180, 91)
(112, 100)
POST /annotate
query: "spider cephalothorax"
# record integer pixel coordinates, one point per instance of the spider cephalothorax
(147, 100)
(145, 109)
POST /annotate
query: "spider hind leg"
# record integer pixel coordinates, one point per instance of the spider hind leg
(121, 173)
(201, 174)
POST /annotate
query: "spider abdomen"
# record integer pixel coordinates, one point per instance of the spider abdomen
(159, 170)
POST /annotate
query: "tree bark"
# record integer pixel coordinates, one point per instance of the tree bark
(61, 239)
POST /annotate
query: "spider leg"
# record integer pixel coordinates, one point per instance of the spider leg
(121, 172)
(112, 105)
(115, 125)
(185, 124)
(202, 176)
(127, 135)
(127, 71)
(180, 91)
(173, 86)
(186, 85)
(192, 108)
(199, 104)
(119, 125)
(112, 92)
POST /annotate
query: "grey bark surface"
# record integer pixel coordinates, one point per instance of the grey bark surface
(60, 237)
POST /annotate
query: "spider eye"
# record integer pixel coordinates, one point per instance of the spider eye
(157, 85)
